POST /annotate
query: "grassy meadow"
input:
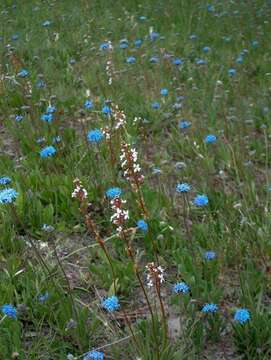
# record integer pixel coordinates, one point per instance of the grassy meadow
(135, 180)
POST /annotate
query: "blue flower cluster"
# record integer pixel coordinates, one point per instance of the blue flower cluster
(242, 316)
(94, 355)
(95, 136)
(142, 225)
(9, 310)
(201, 200)
(111, 304)
(209, 308)
(181, 288)
(114, 192)
(183, 188)
(8, 196)
(5, 180)
(48, 151)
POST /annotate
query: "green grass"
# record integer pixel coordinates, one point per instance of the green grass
(71, 263)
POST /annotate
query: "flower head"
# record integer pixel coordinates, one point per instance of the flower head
(8, 195)
(9, 310)
(131, 60)
(95, 136)
(46, 23)
(142, 225)
(138, 43)
(50, 109)
(154, 35)
(19, 118)
(184, 124)
(105, 46)
(5, 180)
(183, 187)
(43, 297)
(209, 139)
(88, 104)
(155, 275)
(209, 308)
(111, 193)
(23, 73)
(206, 49)
(155, 105)
(111, 303)
(201, 200)
(209, 255)
(94, 355)
(231, 72)
(164, 92)
(181, 288)
(47, 117)
(106, 110)
(47, 151)
(242, 316)
(177, 61)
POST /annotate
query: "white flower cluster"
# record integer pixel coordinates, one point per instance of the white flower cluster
(131, 169)
(79, 192)
(119, 117)
(155, 275)
(120, 215)
(109, 65)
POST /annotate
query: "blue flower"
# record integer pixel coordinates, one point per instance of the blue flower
(209, 255)
(209, 139)
(131, 60)
(138, 43)
(46, 23)
(95, 136)
(209, 308)
(244, 52)
(181, 288)
(164, 92)
(104, 46)
(47, 151)
(184, 124)
(201, 200)
(23, 73)
(88, 104)
(47, 228)
(15, 37)
(5, 180)
(177, 61)
(50, 109)
(154, 35)
(183, 187)
(210, 8)
(8, 195)
(154, 60)
(155, 105)
(40, 84)
(111, 303)
(106, 110)
(114, 192)
(193, 37)
(239, 60)
(142, 225)
(56, 139)
(19, 118)
(9, 310)
(206, 49)
(242, 316)
(94, 355)
(231, 72)
(42, 298)
(142, 18)
(124, 44)
(72, 61)
(201, 62)
(47, 118)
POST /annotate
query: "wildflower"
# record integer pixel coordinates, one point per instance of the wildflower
(72, 61)
(19, 118)
(46, 23)
(181, 287)
(23, 73)
(47, 228)
(56, 139)
(40, 84)
(106, 110)
(40, 140)
(138, 43)
(142, 225)
(47, 118)
(209, 139)
(201, 200)
(184, 124)
(183, 187)
(155, 275)
(210, 8)
(242, 316)
(50, 109)
(164, 92)
(132, 170)
(111, 304)
(154, 35)
(120, 215)
(231, 72)
(201, 62)
(142, 18)
(94, 355)
(47, 151)
(239, 60)
(131, 60)
(209, 308)
(124, 44)
(88, 104)
(15, 37)
(177, 61)
(154, 60)
(5, 180)
(209, 255)
(9, 310)
(42, 298)
(111, 193)
(119, 117)
(155, 105)
(206, 49)
(95, 136)
(79, 192)
(8, 195)
(104, 46)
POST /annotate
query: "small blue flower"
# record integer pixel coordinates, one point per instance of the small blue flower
(46, 23)
(138, 43)
(40, 84)
(47, 118)
(209, 308)
(95, 136)
(242, 316)
(206, 49)
(19, 118)
(47, 151)
(88, 104)
(164, 92)
(201, 200)
(239, 60)
(104, 46)
(201, 62)
(154, 35)
(124, 44)
(9, 310)
(106, 110)
(231, 72)
(154, 60)
(184, 124)
(114, 192)
(94, 355)
(142, 225)
(131, 60)
(50, 109)
(177, 61)
(5, 180)
(111, 303)
(244, 52)
(23, 73)
(42, 298)
(193, 37)
(209, 255)
(210, 8)
(142, 18)
(155, 105)
(183, 188)
(181, 288)
(8, 195)
(209, 139)
(72, 61)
